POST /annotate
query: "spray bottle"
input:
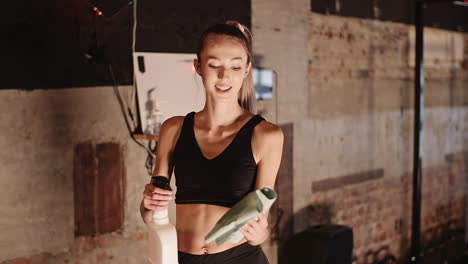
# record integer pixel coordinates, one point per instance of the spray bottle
(162, 241)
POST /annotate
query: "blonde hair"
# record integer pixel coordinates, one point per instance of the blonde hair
(235, 29)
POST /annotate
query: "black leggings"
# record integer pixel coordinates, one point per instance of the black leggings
(242, 254)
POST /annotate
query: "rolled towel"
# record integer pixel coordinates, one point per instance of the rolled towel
(254, 203)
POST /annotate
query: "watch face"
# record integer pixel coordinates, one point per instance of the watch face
(161, 182)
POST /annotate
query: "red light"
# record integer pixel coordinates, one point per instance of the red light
(189, 68)
(99, 13)
(95, 9)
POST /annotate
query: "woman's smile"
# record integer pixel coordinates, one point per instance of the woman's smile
(223, 88)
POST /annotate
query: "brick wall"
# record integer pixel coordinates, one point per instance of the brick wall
(40, 131)
(109, 249)
(361, 121)
(344, 86)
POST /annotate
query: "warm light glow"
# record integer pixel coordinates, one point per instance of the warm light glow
(95, 9)
(189, 68)
(100, 13)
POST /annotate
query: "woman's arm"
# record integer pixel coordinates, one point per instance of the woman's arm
(267, 145)
(155, 198)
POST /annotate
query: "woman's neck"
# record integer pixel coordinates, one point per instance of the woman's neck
(221, 114)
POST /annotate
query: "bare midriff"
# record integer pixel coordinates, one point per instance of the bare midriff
(193, 223)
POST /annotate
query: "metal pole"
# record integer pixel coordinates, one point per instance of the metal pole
(418, 126)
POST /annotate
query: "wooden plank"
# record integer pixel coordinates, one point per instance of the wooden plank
(110, 188)
(146, 137)
(99, 188)
(84, 177)
(344, 180)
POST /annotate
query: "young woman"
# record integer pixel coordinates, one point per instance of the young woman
(219, 154)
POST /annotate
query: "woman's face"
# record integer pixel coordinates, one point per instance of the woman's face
(222, 66)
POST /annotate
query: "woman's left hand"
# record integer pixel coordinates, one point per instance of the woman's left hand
(256, 232)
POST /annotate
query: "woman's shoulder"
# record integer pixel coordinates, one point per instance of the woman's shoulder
(172, 126)
(268, 132)
(267, 140)
(173, 122)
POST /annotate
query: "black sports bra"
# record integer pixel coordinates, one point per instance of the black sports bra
(223, 180)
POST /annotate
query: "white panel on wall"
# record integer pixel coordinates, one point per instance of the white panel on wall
(169, 86)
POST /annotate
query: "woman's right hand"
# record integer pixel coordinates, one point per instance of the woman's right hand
(155, 198)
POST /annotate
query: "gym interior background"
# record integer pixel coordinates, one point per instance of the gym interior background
(344, 98)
